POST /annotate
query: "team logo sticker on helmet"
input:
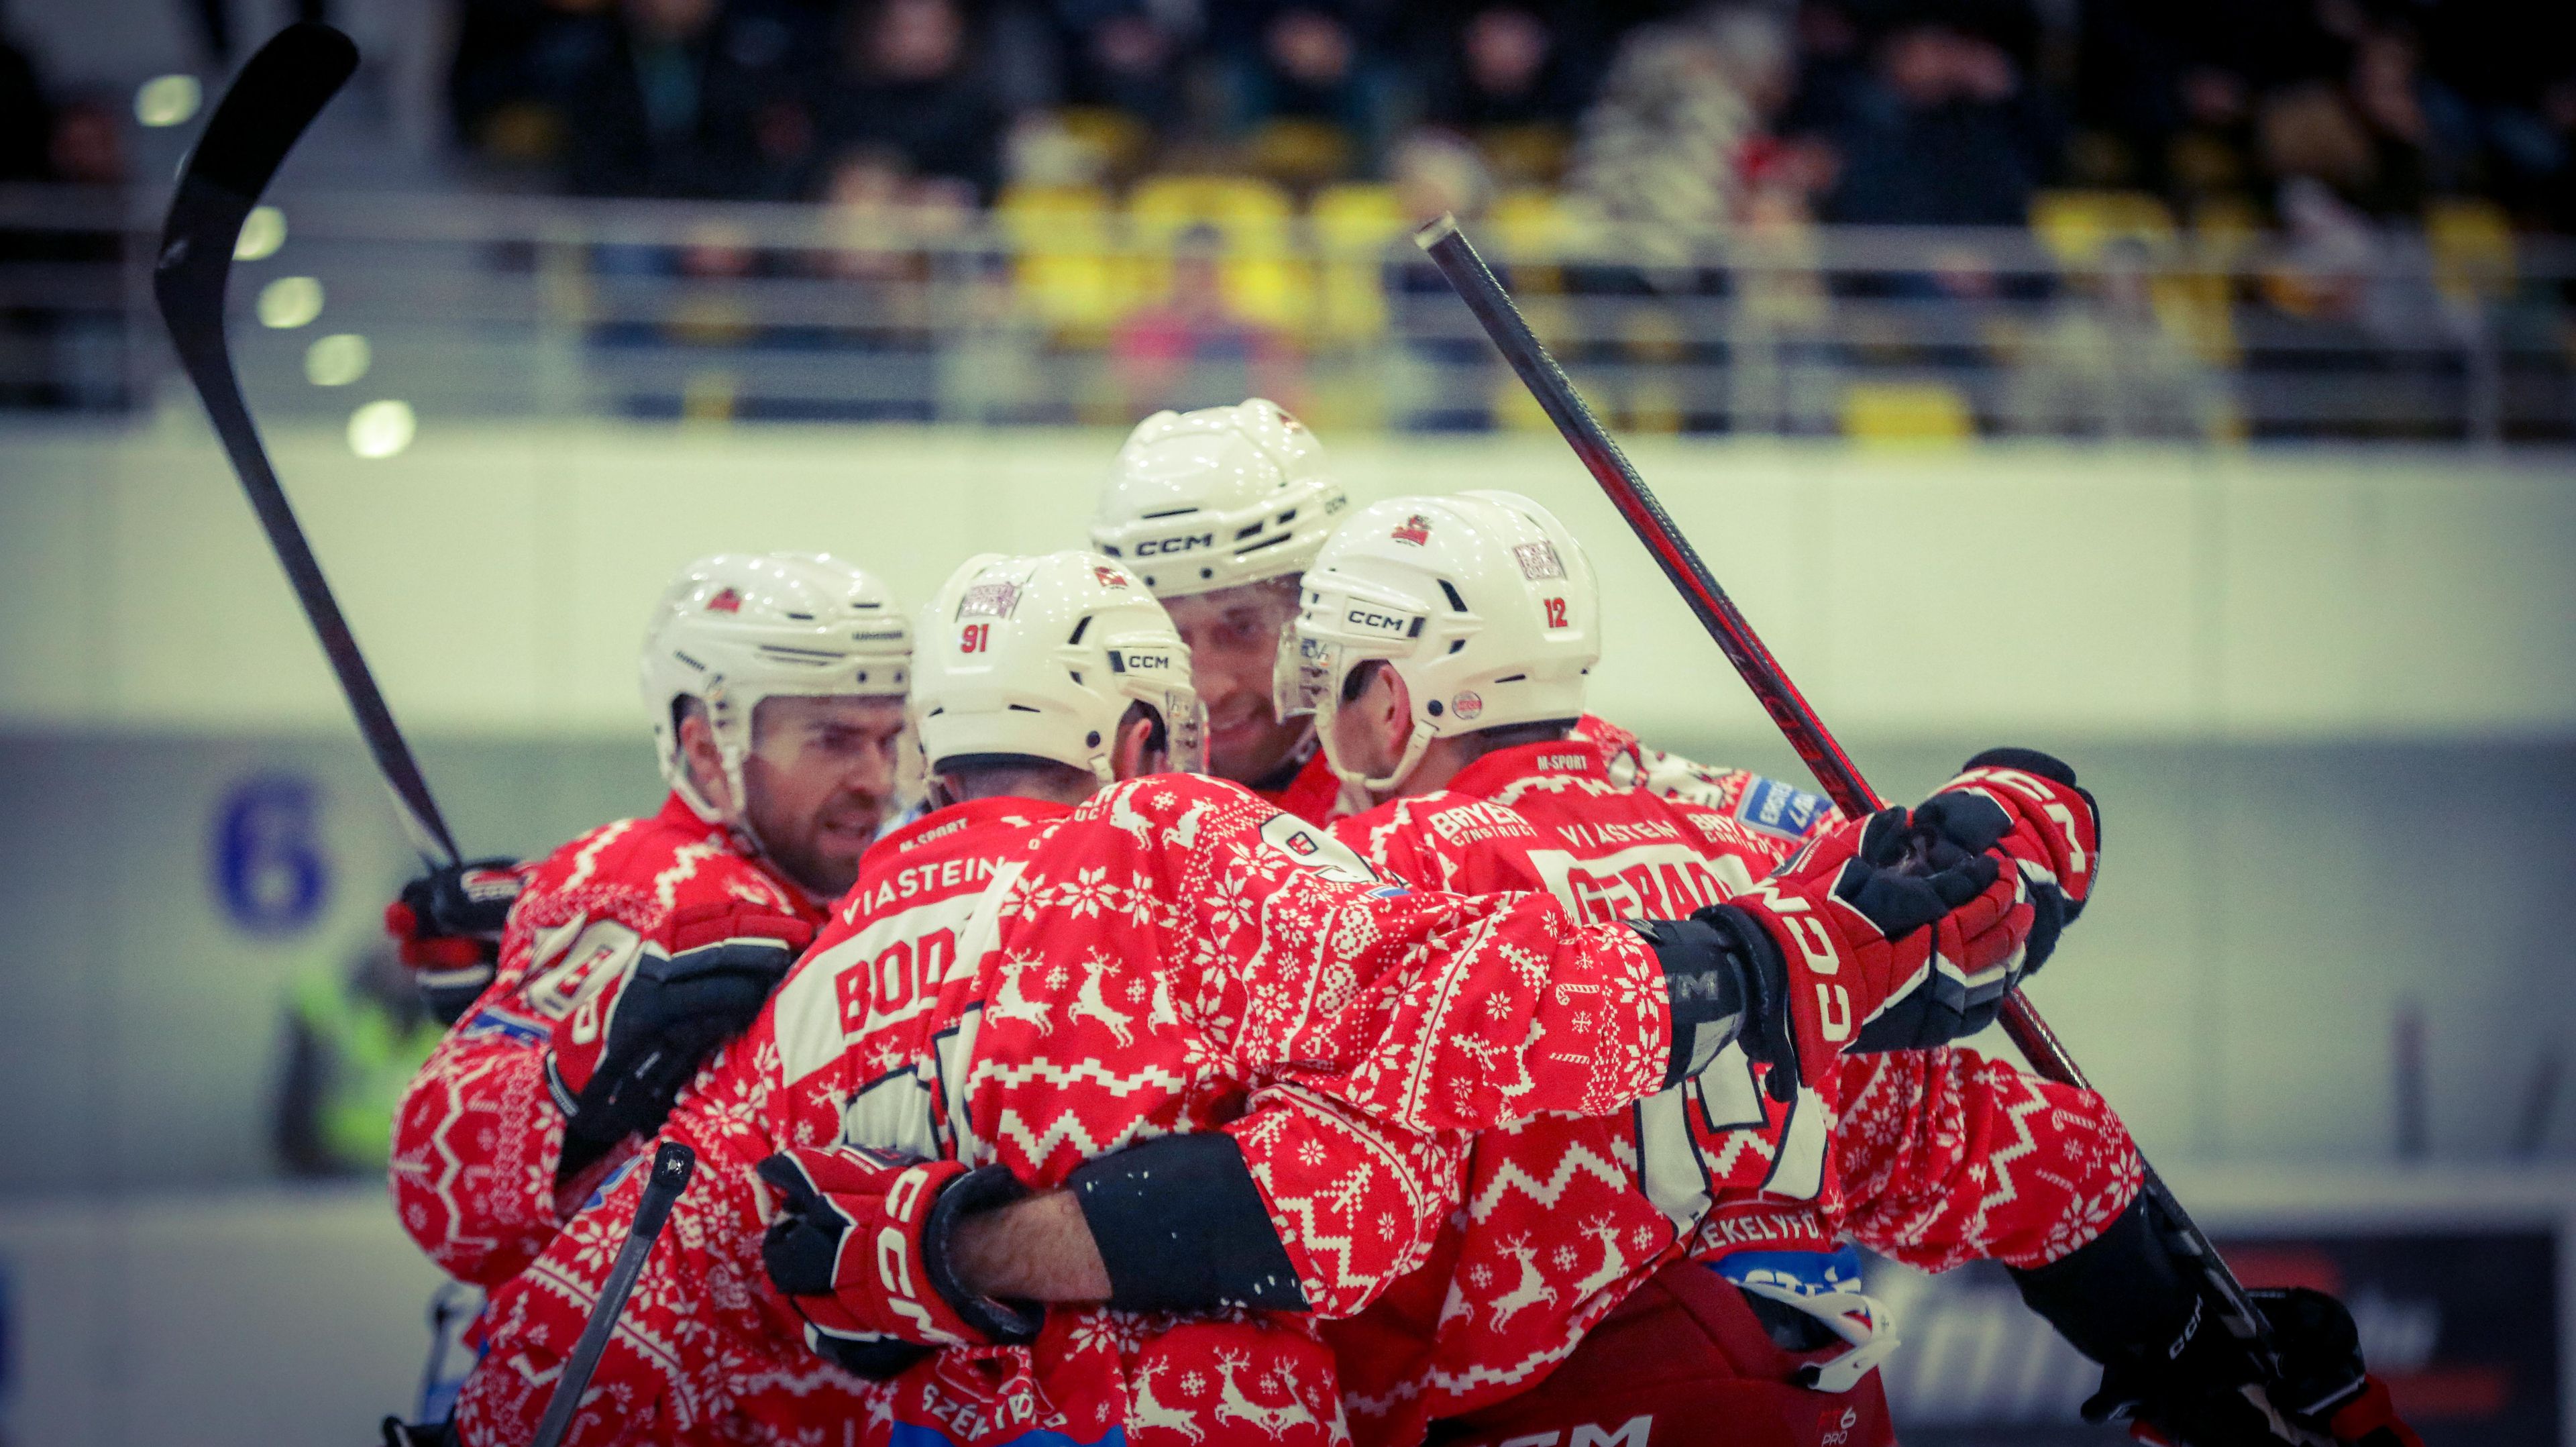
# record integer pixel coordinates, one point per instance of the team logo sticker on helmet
(728, 601)
(1539, 561)
(1468, 704)
(1415, 530)
(1316, 850)
(989, 600)
(1109, 577)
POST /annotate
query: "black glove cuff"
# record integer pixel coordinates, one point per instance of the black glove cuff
(2125, 1301)
(1182, 1227)
(1723, 978)
(1011, 1323)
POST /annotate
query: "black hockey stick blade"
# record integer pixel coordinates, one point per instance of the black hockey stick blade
(1482, 291)
(268, 107)
(672, 1165)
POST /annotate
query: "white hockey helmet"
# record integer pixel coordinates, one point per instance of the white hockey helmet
(1040, 657)
(1482, 602)
(1216, 498)
(736, 628)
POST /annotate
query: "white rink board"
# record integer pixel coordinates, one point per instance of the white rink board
(498, 575)
(296, 1316)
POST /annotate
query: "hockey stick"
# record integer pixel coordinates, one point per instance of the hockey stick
(671, 1167)
(1477, 286)
(267, 107)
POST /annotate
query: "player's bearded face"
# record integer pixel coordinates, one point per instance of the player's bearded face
(818, 782)
(1233, 635)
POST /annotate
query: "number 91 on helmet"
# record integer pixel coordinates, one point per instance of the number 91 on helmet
(1042, 658)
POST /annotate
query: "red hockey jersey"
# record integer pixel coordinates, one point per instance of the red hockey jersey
(1040, 987)
(1931, 1157)
(478, 1133)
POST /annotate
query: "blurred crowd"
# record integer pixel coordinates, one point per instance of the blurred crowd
(1872, 111)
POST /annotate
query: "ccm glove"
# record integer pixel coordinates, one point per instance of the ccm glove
(669, 1014)
(2174, 1371)
(447, 924)
(858, 1245)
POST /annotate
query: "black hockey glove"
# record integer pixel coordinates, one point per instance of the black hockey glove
(670, 1014)
(2171, 1367)
(448, 926)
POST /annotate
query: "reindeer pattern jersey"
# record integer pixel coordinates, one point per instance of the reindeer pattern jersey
(1003, 985)
(1932, 1157)
(479, 1131)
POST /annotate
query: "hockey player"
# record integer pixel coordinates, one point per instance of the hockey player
(776, 685)
(1217, 511)
(1932, 1156)
(1048, 969)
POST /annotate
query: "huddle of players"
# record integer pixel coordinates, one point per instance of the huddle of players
(1462, 1068)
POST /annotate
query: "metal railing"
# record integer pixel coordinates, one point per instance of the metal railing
(511, 307)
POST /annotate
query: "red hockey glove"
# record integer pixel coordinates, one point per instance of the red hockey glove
(2056, 834)
(858, 1244)
(619, 1074)
(447, 924)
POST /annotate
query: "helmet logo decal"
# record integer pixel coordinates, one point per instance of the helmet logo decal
(991, 600)
(728, 601)
(1382, 622)
(1555, 611)
(1181, 544)
(1109, 577)
(1468, 704)
(1415, 530)
(1539, 561)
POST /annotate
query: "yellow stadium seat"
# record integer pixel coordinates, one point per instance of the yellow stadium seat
(1114, 138)
(2472, 243)
(2076, 225)
(1299, 153)
(1264, 281)
(1353, 224)
(1531, 231)
(1906, 413)
(1065, 271)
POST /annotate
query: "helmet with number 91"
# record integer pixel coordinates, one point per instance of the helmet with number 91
(1040, 657)
(1216, 498)
(737, 628)
(1483, 604)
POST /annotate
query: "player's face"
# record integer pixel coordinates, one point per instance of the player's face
(1233, 634)
(819, 780)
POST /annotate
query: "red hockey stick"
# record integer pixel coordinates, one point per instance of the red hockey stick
(1476, 285)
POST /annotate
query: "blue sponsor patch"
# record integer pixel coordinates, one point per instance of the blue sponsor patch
(488, 1021)
(1808, 1273)
(1775, 808)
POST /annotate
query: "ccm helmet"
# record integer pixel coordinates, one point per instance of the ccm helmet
(736, 628)
(1040, 657)
(1216, 498)
(1482, 602)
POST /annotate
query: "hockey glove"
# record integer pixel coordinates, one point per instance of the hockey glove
(858, 1244)
(447, 924)
(2055, 838)
(668, 1015)
(2176, 1373)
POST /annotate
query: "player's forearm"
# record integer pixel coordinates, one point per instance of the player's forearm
(1035, 1249)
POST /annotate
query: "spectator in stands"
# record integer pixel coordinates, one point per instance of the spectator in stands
(685, 98)
(1508, 79)
(1663, 150)
(908, 83)
(26, 119)
(2423, 138)
(1948, 135)
(1305, 75)
(1192, 349)
(1129, 56)
(2209, 159)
